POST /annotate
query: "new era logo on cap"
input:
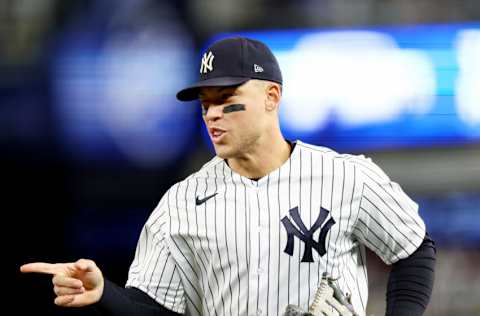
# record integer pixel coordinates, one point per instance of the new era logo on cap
(257, 68)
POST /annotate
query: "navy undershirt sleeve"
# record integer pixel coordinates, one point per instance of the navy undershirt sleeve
(410, 283)
(118, 301)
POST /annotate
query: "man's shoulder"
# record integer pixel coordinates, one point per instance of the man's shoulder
(208, 170)
(313, 148)
(325, 152)
(360, 161)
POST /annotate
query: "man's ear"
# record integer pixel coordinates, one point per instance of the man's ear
(273, 95)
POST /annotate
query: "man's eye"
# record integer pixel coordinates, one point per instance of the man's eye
(226, 96)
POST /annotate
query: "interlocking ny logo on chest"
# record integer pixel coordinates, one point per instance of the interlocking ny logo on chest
(306, 235)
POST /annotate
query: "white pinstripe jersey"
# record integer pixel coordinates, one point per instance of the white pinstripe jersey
(230, 254)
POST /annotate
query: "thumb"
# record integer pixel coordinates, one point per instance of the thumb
(91, 276)
(85, 265)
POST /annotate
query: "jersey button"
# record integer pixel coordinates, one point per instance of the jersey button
(259, 312)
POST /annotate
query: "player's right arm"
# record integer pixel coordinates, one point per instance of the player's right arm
(153, 288)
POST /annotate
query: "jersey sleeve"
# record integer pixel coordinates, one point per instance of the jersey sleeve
(153, 269)
(388, 221)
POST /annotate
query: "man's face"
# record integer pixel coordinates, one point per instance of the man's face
(234, 116)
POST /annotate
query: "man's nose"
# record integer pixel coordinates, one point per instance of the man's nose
(214, 113)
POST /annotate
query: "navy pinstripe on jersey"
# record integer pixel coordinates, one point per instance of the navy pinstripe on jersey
(226, 255)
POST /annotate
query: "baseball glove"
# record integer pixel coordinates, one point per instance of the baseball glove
(328, 301)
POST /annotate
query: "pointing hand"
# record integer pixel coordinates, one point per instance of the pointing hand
(76, 284)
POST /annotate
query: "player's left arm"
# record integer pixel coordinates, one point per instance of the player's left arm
(410, 283)
(389, 224)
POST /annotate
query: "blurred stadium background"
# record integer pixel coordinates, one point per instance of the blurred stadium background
(91, 135)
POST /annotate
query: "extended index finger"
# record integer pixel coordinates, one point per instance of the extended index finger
(41, 267)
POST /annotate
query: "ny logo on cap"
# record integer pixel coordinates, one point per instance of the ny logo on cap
(207, 63)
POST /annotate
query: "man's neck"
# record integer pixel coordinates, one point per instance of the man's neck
(263, 160)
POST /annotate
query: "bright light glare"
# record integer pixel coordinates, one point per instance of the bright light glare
(122, 97)
(468, 83)
(141, 77)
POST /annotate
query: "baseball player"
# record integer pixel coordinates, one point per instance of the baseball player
(263, 224)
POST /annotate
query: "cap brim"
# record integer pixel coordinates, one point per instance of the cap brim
(191, 93)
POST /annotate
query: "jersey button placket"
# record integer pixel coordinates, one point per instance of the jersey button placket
(254, 248)
(263, 247)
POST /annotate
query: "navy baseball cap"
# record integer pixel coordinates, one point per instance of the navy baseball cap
(231, 62)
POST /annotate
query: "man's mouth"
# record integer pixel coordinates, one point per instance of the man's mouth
(216, 134)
